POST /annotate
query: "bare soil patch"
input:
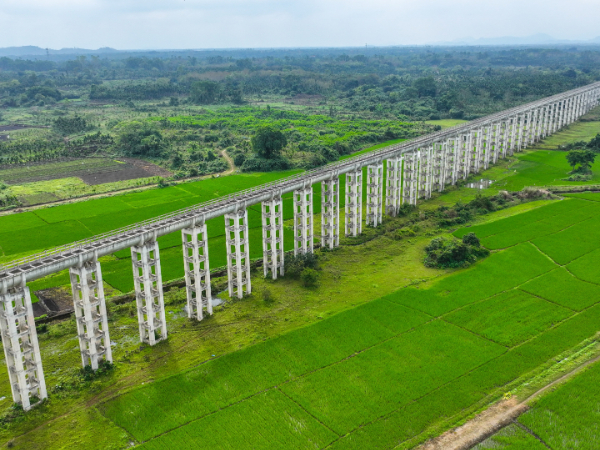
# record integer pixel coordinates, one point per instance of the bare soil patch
(130, 170)
(304, 99)
(53, 302)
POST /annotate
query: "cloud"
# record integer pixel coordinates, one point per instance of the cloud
(136, 24)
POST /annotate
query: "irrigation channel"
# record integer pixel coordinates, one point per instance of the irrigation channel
(414, 170)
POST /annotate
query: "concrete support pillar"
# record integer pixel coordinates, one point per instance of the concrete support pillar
(272, 234)
(149, 298)
(353, 226)
(21, 348)
(505, 134)
(512, 144)
(546, 122)
(197, 270)
(374, 194)
(393, 193)
(488, 145)
(303, 220)
(330, 212)
(457, 159)
(238, 253)
(425, 170)
(90, 313)
(520, 132)
(555, 117)
(527, 129)
(537, 120)
(469, 153)
(447, 163)
(478, 154)
(409, 180)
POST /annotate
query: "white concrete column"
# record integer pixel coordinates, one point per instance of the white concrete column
(393, 197)
(537, 124)
(374, 194)
(197, 270)
(457, 159)
(272, 234)
(521, 132)
(469, 153)
(425, 169)
(330, 212)
(21, 348)
(238, 253)
(437, 167)
(527, 131)
(488, 145)
(409, 180)
(303, 220)
(353, 225)
(505, 135)
(545, 122)
(513, 136)
(556, 117)
(478, 154)
(447, 153)
(90, 313)
(149, 298)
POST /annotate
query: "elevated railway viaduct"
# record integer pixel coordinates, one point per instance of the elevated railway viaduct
(414, 170)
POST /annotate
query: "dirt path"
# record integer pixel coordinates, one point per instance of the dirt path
(492, 419)
(229, 161)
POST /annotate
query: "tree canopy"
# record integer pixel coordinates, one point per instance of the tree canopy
(268, 142)
(583, 158)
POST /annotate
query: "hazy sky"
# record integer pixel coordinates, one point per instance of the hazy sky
(142, 24)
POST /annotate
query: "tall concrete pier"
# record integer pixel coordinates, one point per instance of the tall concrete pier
(395, 175)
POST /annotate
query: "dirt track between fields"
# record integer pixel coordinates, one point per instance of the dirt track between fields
(492, 419)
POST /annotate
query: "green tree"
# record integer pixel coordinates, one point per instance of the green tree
(583, 158)
(268, 142)
(425, 86)
(139, 139)
(205, 92)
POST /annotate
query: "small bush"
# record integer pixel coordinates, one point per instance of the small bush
(446, 253)
(294, 265)
(309, 277)
(471, 239)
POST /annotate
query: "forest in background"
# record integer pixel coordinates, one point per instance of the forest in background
(187, 110)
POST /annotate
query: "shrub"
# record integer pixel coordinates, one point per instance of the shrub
(309, 277)
(446, 253)
(294, 265)
(471, 239)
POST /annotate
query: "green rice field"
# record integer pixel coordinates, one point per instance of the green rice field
(378, 375)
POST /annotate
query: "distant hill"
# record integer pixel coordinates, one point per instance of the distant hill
(535, 39)
(32, 50)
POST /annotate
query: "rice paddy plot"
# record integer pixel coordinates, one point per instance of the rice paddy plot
(580, 212)
(573, 242)
(80, 210)
(560, 286)
(499, 272)
(163, 405)
(509, 318)
(569, 417)
(267, 421)
(21, 221)
(592, 196)
(44, 237)
(381, 379)
(518, 221)
(511, 437)
(542, 168)
(586, 267)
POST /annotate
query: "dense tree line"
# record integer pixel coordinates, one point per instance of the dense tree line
(415, 82)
